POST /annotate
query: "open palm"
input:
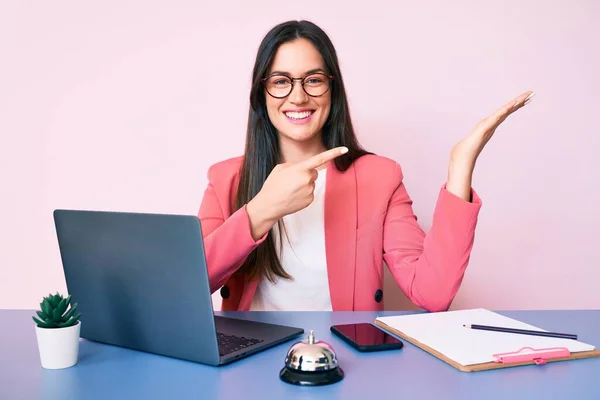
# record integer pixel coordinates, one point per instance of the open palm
(471, 146)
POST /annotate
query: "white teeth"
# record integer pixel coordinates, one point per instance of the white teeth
(298, 115)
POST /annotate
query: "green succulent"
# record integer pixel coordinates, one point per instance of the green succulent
(54, 314)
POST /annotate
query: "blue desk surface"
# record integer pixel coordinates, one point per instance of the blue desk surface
(109, 372)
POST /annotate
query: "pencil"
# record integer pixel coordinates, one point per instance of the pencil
(522, 331)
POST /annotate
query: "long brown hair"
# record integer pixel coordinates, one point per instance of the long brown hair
(262, 150)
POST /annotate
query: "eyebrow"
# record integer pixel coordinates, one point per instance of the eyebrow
(312, 71)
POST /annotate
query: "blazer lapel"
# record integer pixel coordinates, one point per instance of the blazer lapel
(247, 294)
(340, 235)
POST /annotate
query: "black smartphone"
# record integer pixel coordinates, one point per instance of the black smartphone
(366, 337)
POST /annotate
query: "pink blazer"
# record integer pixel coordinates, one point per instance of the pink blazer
(368, 220)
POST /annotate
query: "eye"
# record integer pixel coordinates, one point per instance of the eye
(314, 80)
(279, 80)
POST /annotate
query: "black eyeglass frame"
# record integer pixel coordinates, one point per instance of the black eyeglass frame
(264, 81)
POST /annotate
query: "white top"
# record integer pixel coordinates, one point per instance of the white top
(302, 257)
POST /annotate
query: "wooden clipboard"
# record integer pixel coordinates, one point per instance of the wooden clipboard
(489, 365)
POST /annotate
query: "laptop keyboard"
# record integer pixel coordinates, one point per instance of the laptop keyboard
(230, 343)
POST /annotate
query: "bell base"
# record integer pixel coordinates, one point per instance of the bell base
(312, 378)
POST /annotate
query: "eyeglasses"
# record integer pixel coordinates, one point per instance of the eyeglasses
(280, 86)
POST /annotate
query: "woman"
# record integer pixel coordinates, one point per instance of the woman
(306, 217)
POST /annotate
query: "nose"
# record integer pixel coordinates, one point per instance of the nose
(298, 95)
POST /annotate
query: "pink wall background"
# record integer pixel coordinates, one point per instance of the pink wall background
(124, 105)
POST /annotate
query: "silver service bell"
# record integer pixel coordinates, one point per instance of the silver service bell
(311, 363)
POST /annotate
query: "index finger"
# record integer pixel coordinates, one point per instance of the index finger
(322, 158)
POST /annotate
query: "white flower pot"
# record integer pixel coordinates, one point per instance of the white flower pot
(58, 347)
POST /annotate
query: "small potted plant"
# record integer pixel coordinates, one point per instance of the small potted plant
(57, 332)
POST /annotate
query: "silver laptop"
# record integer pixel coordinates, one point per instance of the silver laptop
(141, 282)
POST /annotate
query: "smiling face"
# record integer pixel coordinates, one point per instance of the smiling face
(298, 117)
